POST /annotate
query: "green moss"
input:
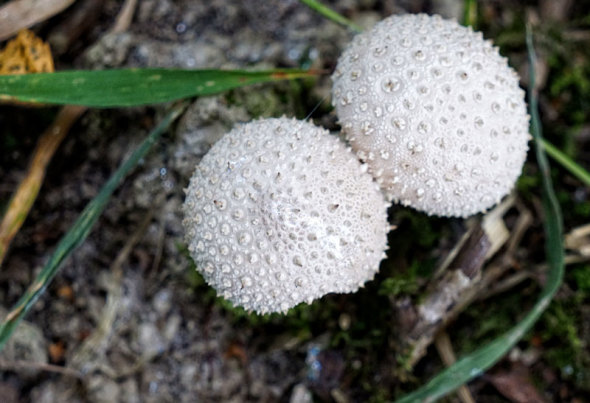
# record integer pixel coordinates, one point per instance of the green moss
(581, 276)
(582, 209)
(416, 228)
(262, 100)
(560, 323)
(482, 322)
(563, 346)
(528, 184)
(379, 395)
(8, 142)
(562, 327)
(406, 282)
(573, 78)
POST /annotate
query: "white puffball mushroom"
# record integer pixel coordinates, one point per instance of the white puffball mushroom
(435, 112)
(279, 212)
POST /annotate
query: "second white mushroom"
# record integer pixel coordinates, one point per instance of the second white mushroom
(435, 112)
(279, 212)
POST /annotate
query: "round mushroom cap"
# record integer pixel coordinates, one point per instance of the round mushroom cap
(435, 112)
(279, 212)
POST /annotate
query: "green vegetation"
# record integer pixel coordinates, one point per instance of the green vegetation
(564, 331)
(362, 327)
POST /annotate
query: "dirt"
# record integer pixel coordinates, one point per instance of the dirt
(149, 330)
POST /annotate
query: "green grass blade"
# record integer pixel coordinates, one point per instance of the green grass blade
(331, 14)
(131, 87)
(566, 162)
(475, 363)
(470, 13)
(80, 229)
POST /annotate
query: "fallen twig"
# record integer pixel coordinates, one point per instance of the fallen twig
(94, 346)
(459, 279)
(440, 304)
(39, 366)
(28, 189)
(447, 355)
(125, 16)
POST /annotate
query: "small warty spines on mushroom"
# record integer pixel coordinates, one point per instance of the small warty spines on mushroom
(435, 112)
(280, 212)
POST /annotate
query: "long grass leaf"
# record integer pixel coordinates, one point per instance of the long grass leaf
(475, 363)
(131, 87)
(565, 161)
(80, 229)
(331, 14)
(470, 13)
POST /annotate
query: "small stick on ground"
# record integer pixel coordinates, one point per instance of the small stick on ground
(38, 366)
(19, 14)
(459, 280)
(28, 189)
(93, 348)
(447, 355)
(125, 16)
(445, 298)
(80, 21)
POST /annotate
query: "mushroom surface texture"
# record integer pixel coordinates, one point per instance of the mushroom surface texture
(435, 112)
(280, 212)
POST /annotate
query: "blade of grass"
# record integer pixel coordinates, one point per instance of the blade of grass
(131, 87)
(80, 229)
(475, 363)
(566, 162)
(470, 13)
(331, 14)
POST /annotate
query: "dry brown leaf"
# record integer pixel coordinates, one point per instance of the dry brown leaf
(57, 351)
(516, 385)
(578, 240)
(26, 54)
(66, 292)
(19, 14)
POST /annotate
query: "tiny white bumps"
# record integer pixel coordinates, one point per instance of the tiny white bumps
(279, 212)
(435, 112)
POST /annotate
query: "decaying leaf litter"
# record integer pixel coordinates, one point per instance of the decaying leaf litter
(179, 324)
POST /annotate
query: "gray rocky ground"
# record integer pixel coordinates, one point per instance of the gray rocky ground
(126, 315)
